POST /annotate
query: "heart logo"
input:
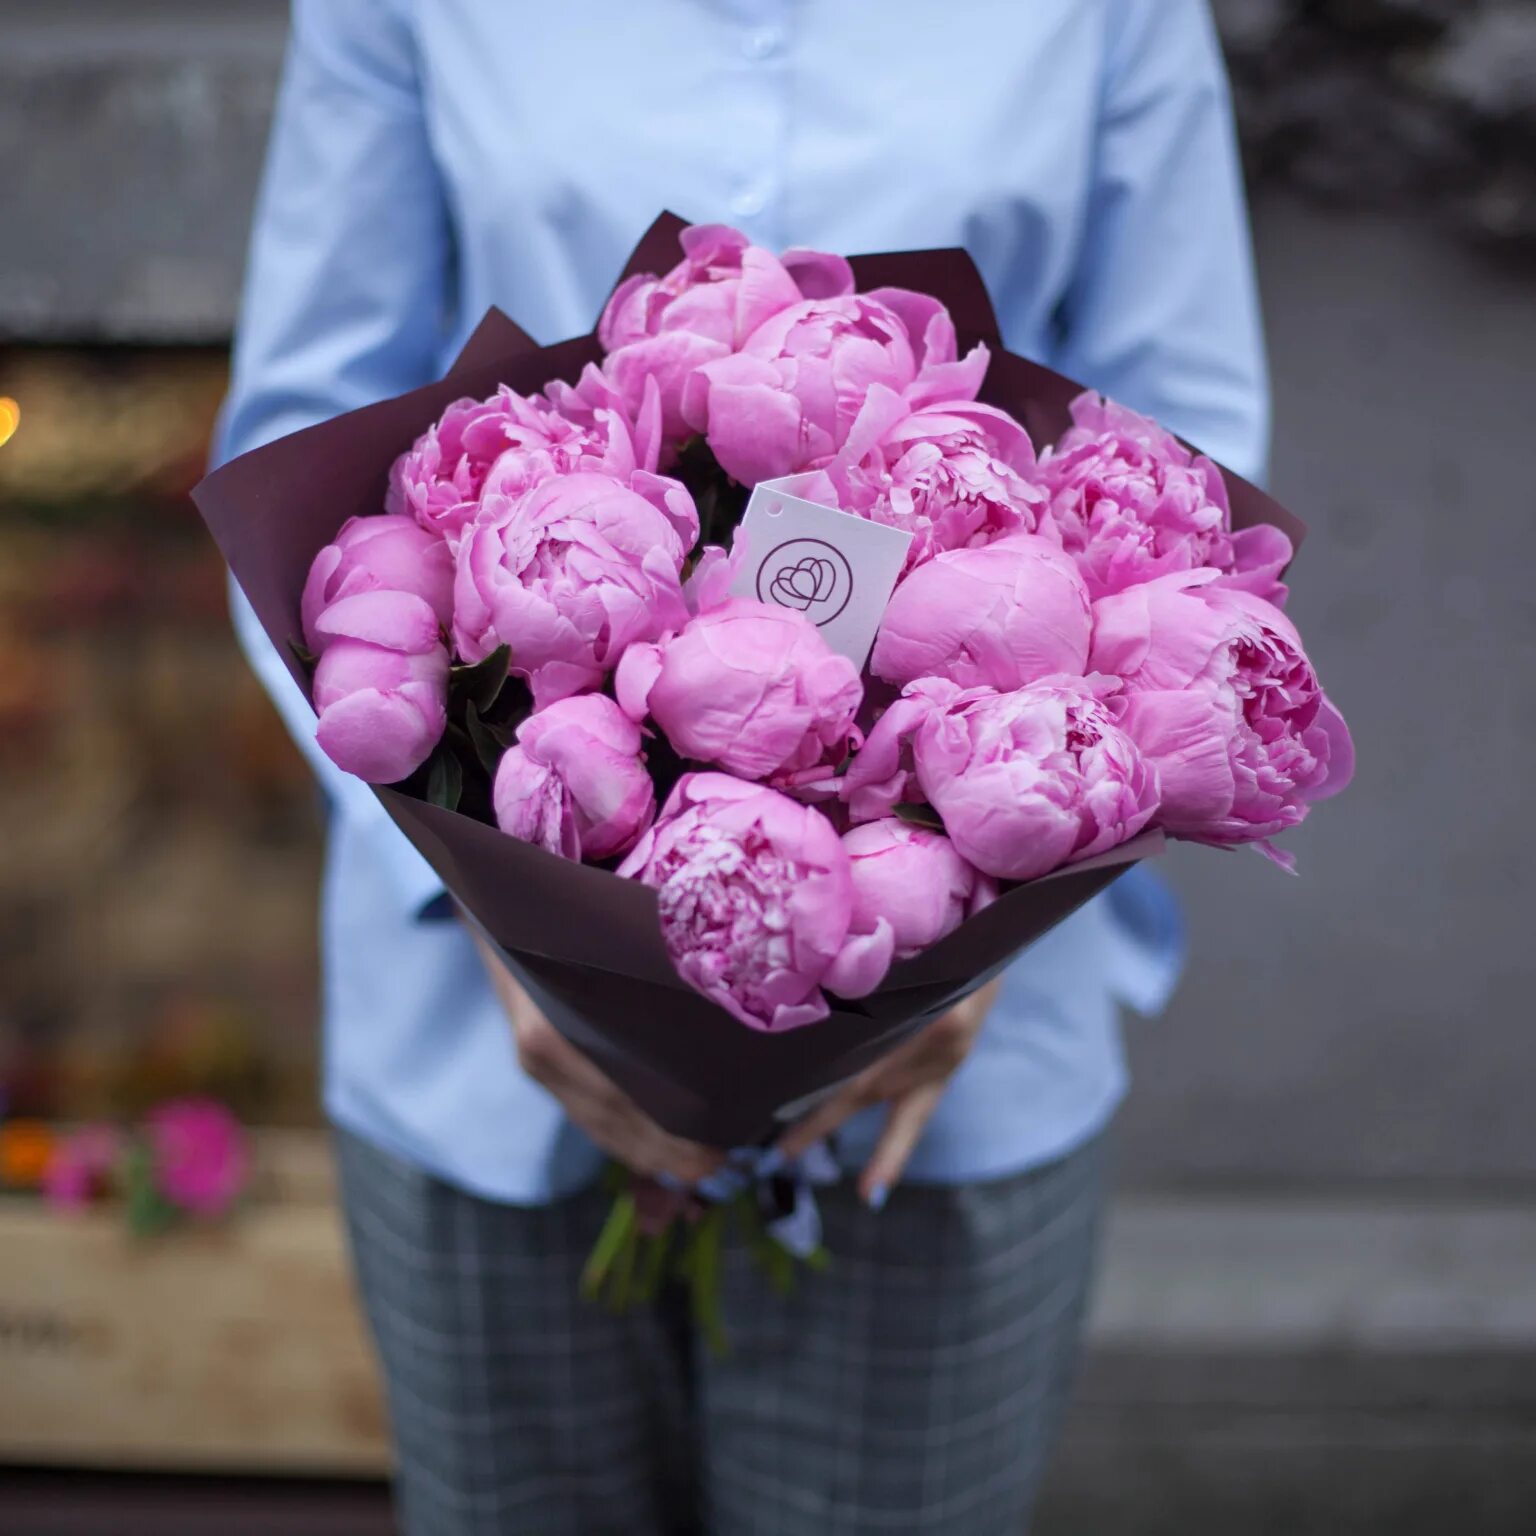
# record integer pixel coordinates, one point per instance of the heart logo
(808, 575)
(810, 580)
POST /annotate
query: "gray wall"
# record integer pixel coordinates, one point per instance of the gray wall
(1369, 1020)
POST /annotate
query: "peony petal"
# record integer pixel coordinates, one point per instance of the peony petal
(758, 433)
(818, 274)
(399, 621)
(638, 669)
(1341, 752)
(862, 962)
(1184, 736)
(381, 738)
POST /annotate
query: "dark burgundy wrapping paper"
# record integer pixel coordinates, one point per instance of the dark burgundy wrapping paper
(588, 944)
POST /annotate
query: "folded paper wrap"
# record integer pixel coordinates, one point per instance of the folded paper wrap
(587, 944)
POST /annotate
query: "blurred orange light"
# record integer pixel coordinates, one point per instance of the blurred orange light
(10, 419)
(26, 1149)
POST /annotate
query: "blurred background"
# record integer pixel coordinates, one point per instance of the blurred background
(1318, 1312)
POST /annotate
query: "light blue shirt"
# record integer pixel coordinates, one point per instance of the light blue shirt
(430, 159)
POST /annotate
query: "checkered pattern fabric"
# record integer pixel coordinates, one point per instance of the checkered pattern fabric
(916, 1386)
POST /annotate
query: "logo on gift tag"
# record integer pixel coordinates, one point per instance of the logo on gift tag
(836, 569)
(809, 575)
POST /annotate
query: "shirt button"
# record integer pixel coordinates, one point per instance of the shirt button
(749, 202)
(763, 43)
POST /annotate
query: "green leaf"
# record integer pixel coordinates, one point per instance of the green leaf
(457, 737)
(920, 816)
(617, 1230)
(305, 657)
(621, 1285)
(445, 780)
(701, 1269)
(653, 1265)
(488, 741)
(781, 1269)
(479, 684)
(148, 1211)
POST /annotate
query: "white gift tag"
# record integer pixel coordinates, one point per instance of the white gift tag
(837, 569)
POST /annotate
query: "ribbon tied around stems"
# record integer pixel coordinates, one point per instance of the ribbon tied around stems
(658, 1228)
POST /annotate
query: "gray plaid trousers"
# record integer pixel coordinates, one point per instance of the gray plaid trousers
(916, 1386)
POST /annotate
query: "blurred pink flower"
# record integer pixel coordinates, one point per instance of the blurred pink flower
(748, 686)
(81, 1167)
(756, 895)
(661, 328)
(200, 1157)
(1221, 698)
(571, 574)
(1024, 782)
(912, 882)
(575, 783)
(998, 616)
(1133, 504)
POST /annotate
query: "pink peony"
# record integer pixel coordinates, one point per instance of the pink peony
(81, 1167)
(201, 1161)
(756, 895)
(378, 554)
(953, 475)
(911, 882)
(381, 685)
(789, 398)
(571, 574)
(748, 686)
(997, 617)
(509, 443)
(658, 329)
(1133, 503)
(1222, 700)
(575, 783)
(1024, 781)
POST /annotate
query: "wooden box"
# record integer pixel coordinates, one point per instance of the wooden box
(234, 1348)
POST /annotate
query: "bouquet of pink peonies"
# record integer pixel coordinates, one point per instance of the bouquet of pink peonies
(735, 853)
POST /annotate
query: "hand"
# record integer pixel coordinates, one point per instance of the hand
(911, 1079)
(603, 1110)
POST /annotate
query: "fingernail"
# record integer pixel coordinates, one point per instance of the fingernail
(878, 1195)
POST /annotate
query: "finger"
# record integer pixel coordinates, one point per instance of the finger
(626, 1132)
(688, 1162)
(590, 1097)
(640, 1144)
(904, 1125)
(822, 1121)
(693, 1165)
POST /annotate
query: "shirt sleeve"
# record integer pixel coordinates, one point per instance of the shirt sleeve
(1162, 312)
(345, 298)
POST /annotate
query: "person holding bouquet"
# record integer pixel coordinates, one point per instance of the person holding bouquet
(429, 160)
